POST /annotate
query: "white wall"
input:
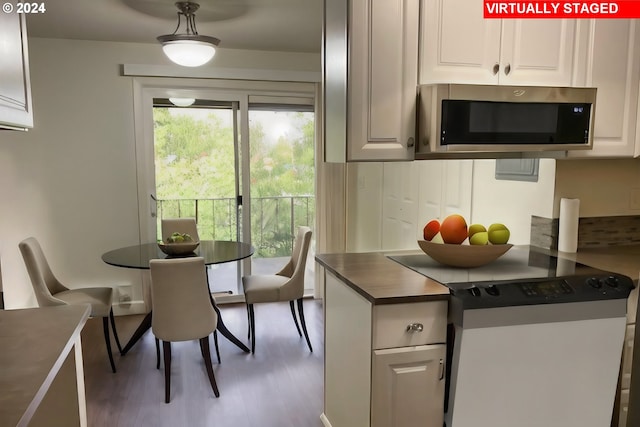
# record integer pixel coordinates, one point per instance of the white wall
(512, 202)
(388, 204)
(71, 181)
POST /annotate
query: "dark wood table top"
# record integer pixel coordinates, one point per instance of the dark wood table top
(213, 252)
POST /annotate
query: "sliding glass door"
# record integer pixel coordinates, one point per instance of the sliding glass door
(282, 177)
(239, 161)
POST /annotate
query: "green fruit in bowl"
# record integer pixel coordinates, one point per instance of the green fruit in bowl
(498, 234)
(479, 238)
(179, 238)
(476, 228)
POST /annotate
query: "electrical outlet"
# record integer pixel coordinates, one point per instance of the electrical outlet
(124, 294)
(634, 200)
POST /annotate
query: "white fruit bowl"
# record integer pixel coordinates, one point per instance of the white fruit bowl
(173, 249)
(463, 255)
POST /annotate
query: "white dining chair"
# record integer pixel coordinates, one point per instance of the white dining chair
(285, 285)
(182, 310)
(50, 292)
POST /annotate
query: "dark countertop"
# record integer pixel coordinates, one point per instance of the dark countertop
(35, 343)
(381, 280)
(622, 259)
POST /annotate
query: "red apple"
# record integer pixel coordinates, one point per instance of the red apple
(454, 229)
(431, 229)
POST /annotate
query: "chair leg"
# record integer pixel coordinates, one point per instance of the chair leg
(107, 340)
(201, 341)
(304, 325)
(157, 353)
(166, 346)
(295, 318)
(248, 323)
(252, 328)
(115, 332)
(204, 344)
(215, 341)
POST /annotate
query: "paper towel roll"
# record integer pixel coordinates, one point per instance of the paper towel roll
(568, 226)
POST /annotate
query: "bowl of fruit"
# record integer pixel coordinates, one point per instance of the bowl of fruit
(455, 244)
(178, 244)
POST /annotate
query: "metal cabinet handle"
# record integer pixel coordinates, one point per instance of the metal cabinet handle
(507, 69)
(415, 327)
(496, 68)
(410, 142)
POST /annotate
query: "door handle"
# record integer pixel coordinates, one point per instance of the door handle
(154, 206)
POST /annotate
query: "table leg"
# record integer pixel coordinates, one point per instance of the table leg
(226, 332)
(145, 325)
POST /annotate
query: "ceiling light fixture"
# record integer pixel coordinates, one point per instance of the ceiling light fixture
(188, 49)
(182, 102)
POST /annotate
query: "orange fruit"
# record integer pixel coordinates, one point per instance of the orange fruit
(431, 229)
(454, 229)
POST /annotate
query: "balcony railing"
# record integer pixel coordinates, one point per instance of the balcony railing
(273, 219)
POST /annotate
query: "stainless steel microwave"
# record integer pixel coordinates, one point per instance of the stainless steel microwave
(475, 120)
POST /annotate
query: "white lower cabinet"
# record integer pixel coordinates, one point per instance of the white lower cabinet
(384, 364)
(407, 385)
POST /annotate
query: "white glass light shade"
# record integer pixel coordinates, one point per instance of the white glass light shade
(182, 102)
(189, 53)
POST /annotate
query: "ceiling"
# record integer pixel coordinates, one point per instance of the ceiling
(275, 25)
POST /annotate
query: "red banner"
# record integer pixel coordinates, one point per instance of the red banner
(495, 9)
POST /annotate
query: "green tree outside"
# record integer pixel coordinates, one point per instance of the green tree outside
(194, 160)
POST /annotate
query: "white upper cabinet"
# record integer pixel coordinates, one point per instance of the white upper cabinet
(458, 45)
(15, 88)
(612, 65)
(370, 78)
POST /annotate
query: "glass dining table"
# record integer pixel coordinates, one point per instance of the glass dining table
(213, 252)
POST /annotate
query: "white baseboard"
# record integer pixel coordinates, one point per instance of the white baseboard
(325, 420)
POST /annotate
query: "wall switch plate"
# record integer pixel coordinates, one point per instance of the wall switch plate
(634, 200)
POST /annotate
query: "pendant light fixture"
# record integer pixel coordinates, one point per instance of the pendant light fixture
(189, 48)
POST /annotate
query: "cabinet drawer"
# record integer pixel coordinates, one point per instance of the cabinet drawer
(627, 357)
(391, 322)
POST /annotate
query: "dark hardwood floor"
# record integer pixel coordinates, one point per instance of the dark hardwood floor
(280, 386)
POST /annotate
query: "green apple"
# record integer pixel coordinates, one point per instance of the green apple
(476, 228)
(498, 234)
(479, 238)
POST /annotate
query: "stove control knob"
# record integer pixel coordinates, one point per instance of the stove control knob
(594, 282)
(474, 291)
(492, 290)
(612, 281)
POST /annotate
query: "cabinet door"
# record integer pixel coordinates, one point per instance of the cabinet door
(15, 88)
(408, 387)
(613, 68)
(383, 67)
(457, 44)
(537, 52)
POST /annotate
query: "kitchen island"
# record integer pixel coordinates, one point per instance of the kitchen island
(42, 377)
(385, 343)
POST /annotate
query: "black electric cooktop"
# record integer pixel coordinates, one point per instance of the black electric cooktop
(523, 276)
